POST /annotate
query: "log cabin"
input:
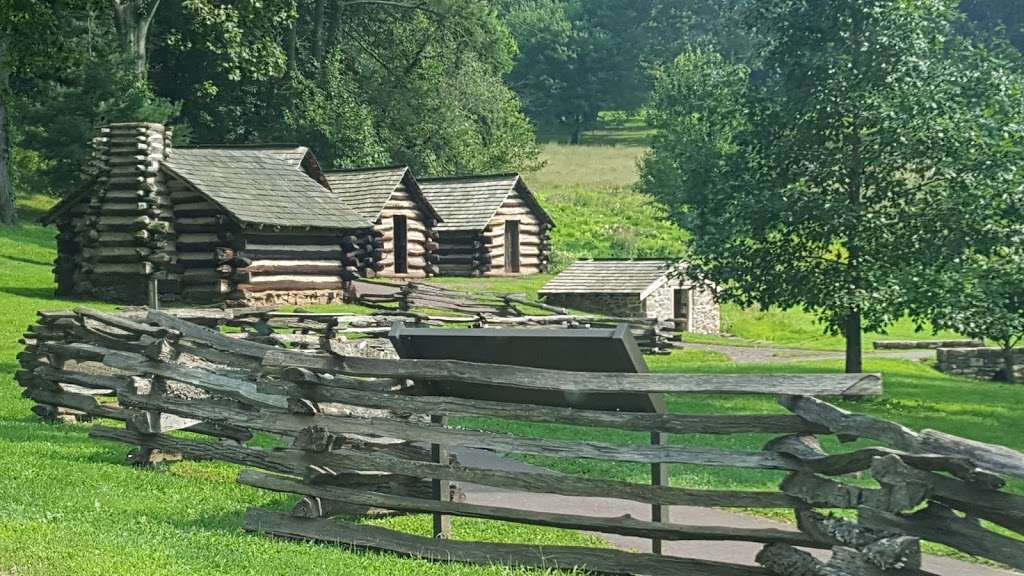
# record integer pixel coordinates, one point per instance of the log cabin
(636, 289)
(391, 198)
(490, 226)
(242, 225)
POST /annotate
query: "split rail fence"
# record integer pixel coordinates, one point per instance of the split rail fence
(499, 310)
(353, 426)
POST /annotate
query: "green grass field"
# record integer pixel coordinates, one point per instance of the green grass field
(68, 505)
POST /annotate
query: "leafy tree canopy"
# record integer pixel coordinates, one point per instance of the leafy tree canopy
(829, 176)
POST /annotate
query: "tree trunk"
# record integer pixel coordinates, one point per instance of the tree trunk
(319, 8)
(8, 211)
(132, 20)
(854, 355)
(577, 131)
(1009, 372)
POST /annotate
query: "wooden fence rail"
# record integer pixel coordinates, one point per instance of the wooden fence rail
(355, 430)
(500, 310)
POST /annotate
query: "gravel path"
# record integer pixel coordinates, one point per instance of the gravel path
(751, 354)
(733, 552)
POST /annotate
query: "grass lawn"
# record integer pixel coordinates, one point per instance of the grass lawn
(799, 329)
(68, 504)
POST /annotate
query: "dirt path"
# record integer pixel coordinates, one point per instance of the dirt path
(751, 354)
(734, 552)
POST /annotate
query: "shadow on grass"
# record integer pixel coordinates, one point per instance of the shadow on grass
(41, 293)
(28, 261)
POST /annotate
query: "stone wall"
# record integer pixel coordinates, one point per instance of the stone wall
(661, 303)
(982, 363)
(703, 316)
(628, 305)
(705, 313)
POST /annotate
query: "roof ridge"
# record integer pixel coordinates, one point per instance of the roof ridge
(471, 177)
(646, 259)
(271, 145)
(366, 169)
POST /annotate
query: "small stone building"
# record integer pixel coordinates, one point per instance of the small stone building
(490, 226)
(246, 225)
(635, 288)
(392, 199)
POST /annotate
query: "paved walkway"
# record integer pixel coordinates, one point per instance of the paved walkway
(733, 552)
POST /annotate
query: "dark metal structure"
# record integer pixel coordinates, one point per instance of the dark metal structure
(581, 350)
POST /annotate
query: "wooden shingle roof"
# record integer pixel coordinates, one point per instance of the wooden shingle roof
(610, 277)
(367, 190)
(263, 185)
(469, 203)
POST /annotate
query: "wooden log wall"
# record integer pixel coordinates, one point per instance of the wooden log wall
(534, 244)
(462, 253)
(203, 233)
(67, 268)
(125, 234)
(264, 267)
(928, 485)
(422, 239)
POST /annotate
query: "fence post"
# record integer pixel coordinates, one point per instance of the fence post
(153, 292)
(441, 489)
(659, 477)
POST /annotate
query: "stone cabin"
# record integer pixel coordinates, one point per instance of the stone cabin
(635, 288)
(392, 199)
(490, 226)
(245, 225)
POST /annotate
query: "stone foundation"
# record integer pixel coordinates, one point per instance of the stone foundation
(294, 298)
(981, 363)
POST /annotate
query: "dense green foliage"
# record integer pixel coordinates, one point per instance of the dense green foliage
(828, 181)
(362, 83)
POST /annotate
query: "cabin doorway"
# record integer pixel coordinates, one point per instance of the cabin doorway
(681, 304)
(512, 246)
(400, 233)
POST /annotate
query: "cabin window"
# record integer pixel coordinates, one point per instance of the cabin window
(512, 246)
(401, 248)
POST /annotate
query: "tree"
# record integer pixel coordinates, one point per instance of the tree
(362, 82)
(816, 182)
(1001, 17)
(133, 19)
(22, 24)
(983, 298)
(578, 58)
(79, 84)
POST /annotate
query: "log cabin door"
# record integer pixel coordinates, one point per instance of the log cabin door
(400, 237)
(512, 246)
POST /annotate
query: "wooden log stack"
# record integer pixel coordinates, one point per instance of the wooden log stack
(347, 454)
(125, 234)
